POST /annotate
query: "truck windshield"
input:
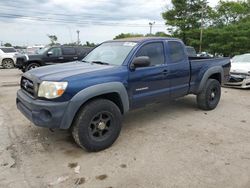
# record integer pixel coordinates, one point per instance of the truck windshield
(41, 51)
(113, 53)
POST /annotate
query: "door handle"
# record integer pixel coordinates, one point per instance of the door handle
(75, 57)
(165, 72)
(60, 57)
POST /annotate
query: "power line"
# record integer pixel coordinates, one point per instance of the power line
(80, 14)
(83, 19)
(83, 14)
(70, 21)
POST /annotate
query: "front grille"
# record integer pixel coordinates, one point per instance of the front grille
(28, 86)
(235, 79)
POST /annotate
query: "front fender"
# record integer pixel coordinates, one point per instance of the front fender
(88, 93)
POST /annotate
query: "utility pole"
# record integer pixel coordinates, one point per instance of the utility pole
(151, 27)
(78, 38)
(201, 32)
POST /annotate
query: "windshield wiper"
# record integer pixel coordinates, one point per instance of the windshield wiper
(100, 62)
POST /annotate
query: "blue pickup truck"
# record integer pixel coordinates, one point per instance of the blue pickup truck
(89, 97)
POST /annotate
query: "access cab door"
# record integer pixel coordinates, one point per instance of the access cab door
(178, 68)
(149, 84)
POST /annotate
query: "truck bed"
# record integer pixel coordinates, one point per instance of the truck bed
(200, 66)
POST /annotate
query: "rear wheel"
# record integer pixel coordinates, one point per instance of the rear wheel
(31, 66)
(209, 98)
(8, 63)
(97, 125)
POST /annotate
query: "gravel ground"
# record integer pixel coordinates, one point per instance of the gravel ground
(171, 144)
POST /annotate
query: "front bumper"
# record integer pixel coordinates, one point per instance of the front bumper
(42, 113)
(241, 83)
(20, 62)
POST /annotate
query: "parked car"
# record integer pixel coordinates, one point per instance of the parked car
(89, 97)
(205, 54)
(51, 55)
(192, 54)
(8, 57)
(240, 72)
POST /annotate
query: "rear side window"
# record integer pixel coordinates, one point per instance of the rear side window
(176, 52)
(154, 51)
(191, 51)
(8, 50)
(69, 51)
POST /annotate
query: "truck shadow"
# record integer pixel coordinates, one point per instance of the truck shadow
(153, 112)
(62, 141)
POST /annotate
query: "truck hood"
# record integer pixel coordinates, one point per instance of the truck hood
(240, 68)
(64, 71)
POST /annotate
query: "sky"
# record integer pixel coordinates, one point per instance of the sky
(28, 22)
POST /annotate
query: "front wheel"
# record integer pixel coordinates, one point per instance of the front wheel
(31, 66)
(209, 98)
(97, 125)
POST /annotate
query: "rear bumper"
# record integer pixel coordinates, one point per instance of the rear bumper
(46, 114)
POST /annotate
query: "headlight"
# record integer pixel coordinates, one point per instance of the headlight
(51, 90)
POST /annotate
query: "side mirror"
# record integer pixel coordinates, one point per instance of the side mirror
(50, 53)
(142, 61)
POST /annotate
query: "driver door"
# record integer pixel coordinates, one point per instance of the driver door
(53, 56)
(150, 84)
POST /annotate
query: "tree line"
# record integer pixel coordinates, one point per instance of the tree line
(223, 29)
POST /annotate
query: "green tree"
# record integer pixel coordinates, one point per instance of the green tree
(185, 15)
(53, 39)
(228, 40)
(128, 35)
(158, 34)
(89, 44)
(132, 35)
(7, 44)
(226, 27)
(230, 12)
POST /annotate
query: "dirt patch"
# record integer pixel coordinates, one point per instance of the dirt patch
(123, 166)
(14, 155)
(10, 84)
(80, 181)
(72, 165)
(101, 177)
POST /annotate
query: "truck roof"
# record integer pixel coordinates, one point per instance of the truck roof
(143, 39)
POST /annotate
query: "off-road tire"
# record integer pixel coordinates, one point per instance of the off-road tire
(82, 128)
(210, 95)
(32, 66)
(8, 64)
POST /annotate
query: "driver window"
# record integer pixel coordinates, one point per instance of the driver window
(56, 52)
(154, 51)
